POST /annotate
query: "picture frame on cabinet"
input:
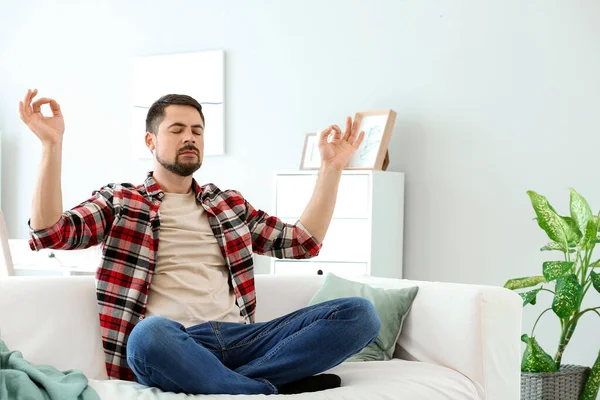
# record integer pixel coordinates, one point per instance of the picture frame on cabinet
(311, 158)
(373, 151)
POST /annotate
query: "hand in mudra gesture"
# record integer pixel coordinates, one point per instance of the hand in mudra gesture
(338, 151)
(50, 130)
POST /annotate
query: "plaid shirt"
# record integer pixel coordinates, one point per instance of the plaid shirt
(125, 220)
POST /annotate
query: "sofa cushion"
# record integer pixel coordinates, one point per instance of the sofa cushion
(394, 379)
(392, 306)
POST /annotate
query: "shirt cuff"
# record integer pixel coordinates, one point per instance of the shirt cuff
(308, 241)
(43, 238)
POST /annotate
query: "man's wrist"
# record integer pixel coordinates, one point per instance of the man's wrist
(327, 168)
(52, 146)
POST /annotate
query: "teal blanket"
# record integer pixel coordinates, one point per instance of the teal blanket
(21, 380)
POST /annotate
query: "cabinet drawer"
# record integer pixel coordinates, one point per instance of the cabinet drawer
(347, 240)
(313, 268)
(294, 192)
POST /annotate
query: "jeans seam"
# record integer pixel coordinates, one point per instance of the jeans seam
(266, 382)
(217, 334)
(278, 327)
(278, 347)
(147, 365)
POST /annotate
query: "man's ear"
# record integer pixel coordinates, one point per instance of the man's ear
(150, 141)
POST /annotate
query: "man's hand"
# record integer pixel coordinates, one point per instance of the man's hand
(50, 130)
(338, 152)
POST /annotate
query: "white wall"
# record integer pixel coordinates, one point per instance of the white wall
(493, 99)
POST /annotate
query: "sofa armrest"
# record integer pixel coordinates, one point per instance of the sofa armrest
(472, 329)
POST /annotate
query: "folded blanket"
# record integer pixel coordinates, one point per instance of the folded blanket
(21, 380)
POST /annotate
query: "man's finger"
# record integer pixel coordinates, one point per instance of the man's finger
(55, 107)
(32, 94)
(354, 134)
(323, 135)
(348, 127)
(27, 103)
(348, 131)
(338, 132)
(39, 103)
(21, 115)
(358, 141)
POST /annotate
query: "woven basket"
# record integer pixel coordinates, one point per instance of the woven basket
(567, 384)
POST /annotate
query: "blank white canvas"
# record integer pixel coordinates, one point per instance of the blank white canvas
(199, 75)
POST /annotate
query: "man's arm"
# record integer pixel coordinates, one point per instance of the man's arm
(273, 237)
(335, 156)
(317, 214)
(46, 207)
(81, 227)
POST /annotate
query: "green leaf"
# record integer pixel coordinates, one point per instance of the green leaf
(556, 246)
(529, 297)
(574, 235)
(590, 392)
(555, 269)
(535, 359)
(547, 218)
(580, 211)
(568, 293)
(595, 280)
(590, 232)
(520, 283)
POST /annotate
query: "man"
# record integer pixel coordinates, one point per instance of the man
(180, 315)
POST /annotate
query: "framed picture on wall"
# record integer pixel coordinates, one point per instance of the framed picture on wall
(373, 151)
(197, 74)
(311, 158)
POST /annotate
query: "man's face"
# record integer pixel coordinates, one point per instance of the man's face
(179, 144)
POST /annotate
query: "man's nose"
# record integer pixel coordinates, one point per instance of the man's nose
(189, 137)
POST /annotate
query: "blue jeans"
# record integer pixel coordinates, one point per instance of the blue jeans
(233, 358)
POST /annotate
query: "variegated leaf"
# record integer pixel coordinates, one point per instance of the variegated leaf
(595, 281)
(535, 359)
(555, 269)
(568, 292)
(547, 218)
(580, 211)
(574, 235)
(556, 246)
(590, 391)
(520, 283)
(529, 297)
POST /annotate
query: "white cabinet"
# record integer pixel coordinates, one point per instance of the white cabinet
(365, 236)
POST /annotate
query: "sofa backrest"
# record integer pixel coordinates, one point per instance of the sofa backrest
(53, 320)
(472, 329)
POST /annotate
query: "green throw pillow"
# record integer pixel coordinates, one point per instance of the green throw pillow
(392, 306)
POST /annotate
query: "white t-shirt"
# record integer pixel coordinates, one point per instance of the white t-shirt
(191, 278)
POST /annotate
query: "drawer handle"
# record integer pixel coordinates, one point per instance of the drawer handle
(320, 272)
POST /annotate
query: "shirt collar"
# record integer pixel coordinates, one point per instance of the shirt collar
(154, 190)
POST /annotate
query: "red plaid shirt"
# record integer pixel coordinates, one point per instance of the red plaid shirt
(125, 220)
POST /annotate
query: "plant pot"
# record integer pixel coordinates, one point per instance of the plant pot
(567, 384)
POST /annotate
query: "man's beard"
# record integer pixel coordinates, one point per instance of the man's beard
(181, 169)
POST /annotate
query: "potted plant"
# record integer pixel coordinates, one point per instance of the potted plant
(568, 280)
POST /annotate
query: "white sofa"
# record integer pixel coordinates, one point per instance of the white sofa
(458, 342)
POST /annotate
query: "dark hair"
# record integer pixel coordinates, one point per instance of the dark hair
(156, 113)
